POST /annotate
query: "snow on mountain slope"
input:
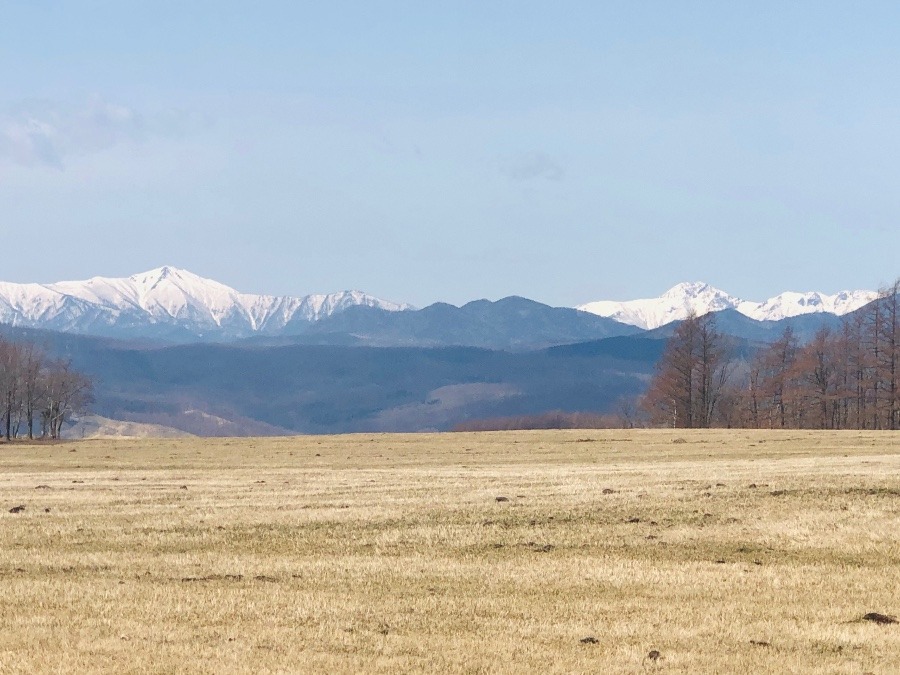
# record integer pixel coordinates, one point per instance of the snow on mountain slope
(166, 296)
(678, 301)
(793, 304)
(37, 305)
(177, 304)
(672, 305)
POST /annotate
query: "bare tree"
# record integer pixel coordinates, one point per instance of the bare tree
(713, 369)
(857, 366)
(33, 365)
(690, 375)
(10, 380)
(872, 336)
(66, 392)
(889, 363)
(775, 378)
(820, 368)
(628, 412)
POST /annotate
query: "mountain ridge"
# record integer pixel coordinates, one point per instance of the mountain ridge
(170, 303)
(511, 323)
(700, 297)
(174, 305)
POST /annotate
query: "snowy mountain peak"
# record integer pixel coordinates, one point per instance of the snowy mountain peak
(187, 282)
(168, 301)
(157, 274)
(689, 288)
(701, 298)
(792, 303)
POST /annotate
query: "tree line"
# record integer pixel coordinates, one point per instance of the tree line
(38, 393)
(848, 378)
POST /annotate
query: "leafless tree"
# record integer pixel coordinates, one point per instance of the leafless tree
(66, 392)
(888, 365)
(33, 365)
(690, 376)
(31, 385)
(10, 381)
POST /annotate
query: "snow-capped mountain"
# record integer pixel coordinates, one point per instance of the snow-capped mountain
(178, 305)
(678, 301)
(168, 302)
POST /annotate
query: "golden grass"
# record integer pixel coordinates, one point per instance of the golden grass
(725, 551)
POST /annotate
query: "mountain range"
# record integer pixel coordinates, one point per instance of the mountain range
(168, 303)
(178, 306)
(199, 357)
(701, 298)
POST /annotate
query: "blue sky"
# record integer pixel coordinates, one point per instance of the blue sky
(566, 151)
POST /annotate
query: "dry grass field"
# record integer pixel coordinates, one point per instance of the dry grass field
(561, 552)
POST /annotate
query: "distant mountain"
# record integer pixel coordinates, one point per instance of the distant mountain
(512, 323)
(236, 389)
(678, 301)
(176, 306)
(732, 322)
(168, 303)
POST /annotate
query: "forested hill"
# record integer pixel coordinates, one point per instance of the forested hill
(324, 389)
(229, 389)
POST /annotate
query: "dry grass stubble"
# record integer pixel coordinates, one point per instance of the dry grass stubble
(731, 551)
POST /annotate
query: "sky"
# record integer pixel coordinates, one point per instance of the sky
(566, 151)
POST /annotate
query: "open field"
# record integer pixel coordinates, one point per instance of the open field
(723, 551)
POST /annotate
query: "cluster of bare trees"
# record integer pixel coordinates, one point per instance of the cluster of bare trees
(691, 376)
(842, 379)
(37, 392)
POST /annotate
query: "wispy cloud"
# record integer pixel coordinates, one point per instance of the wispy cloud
(46, 133)
(532, 166)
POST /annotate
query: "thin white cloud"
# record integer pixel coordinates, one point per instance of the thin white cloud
(45, 133)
